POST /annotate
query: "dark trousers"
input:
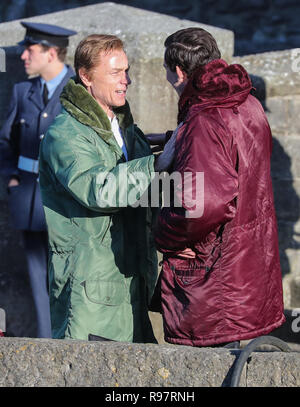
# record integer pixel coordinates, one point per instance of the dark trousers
(36, 250)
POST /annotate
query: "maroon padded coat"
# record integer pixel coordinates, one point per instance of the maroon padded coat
(232, 290)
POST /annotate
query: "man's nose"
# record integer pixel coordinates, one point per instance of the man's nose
(125, 79)
(24, 54)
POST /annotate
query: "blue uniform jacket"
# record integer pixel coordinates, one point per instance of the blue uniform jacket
(26, 124)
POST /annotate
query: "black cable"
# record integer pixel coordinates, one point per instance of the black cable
(262, 340)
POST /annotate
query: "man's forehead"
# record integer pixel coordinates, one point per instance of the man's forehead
(113, 57)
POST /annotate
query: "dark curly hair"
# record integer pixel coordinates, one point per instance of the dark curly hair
(189, 49)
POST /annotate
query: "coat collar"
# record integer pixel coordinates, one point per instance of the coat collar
(83, 107)
(35, 93)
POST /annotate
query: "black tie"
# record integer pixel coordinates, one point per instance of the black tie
(45, 94)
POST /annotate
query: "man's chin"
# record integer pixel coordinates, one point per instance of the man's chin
(29, 71)
(121, 103)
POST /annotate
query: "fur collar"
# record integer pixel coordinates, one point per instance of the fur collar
(215, 84)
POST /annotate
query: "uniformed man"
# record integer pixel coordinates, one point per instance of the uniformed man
(34, 105)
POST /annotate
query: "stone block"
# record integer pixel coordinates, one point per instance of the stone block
(67, 363)
(289, 249)
(290, 282)
(152, 101)
(279, 70)
(282, 113)
(277, 114)
(278, 369)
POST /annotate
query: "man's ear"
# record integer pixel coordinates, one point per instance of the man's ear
(182, 76)
(85, 78)
(52, 54)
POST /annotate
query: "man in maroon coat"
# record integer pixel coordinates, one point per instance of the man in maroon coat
(221, 279)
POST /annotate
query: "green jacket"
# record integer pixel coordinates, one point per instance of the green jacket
(102, 259)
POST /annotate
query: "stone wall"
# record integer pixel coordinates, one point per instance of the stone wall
(65, 363)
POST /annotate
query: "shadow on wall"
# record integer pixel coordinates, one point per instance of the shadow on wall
(287, 202)
(287, 205)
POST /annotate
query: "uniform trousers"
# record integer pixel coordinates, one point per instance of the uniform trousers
(36, 251)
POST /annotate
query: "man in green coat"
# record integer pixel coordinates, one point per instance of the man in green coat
(102, 259)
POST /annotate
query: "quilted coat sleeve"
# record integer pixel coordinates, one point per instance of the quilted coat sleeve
(207, 188)
(90, 174)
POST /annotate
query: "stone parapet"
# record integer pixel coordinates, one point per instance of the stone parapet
(283, 114)
(143, 31)
(69, 363)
